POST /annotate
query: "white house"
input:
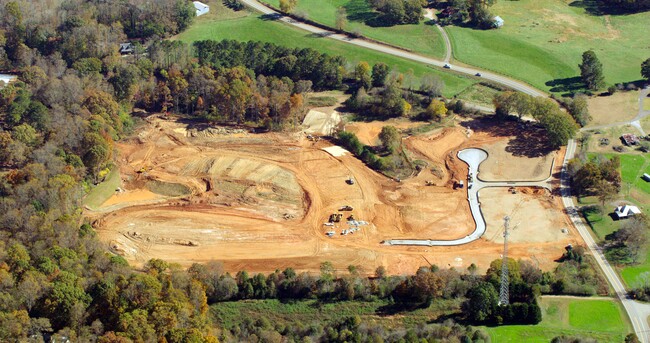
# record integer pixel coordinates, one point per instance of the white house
(498, 21)
(646, 177)
(201, 8)
(626, 211)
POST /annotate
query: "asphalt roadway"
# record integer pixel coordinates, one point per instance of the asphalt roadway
(516, 85)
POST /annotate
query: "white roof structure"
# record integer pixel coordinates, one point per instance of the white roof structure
(201, 8)
(625, 211)
(498, 21)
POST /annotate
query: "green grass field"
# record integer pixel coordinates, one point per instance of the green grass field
(599, 319)
(423, 38)
(543, 40)
(633, 190)
(245, 26)
(104, 190)
(602, 320)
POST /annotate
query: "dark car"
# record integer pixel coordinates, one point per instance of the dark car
(447, 66)
(477, 74)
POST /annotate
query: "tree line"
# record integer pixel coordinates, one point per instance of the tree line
(559, 126)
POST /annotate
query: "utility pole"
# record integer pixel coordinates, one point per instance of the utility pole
(504, 296)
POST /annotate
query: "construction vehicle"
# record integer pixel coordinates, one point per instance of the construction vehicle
(346, 208)
(335, 217)
(429, 183)
(351, 217)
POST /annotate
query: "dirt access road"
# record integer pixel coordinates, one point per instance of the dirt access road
(259, 201)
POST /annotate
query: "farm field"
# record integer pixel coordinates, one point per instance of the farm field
(248, 26)
(600, 319)
(423, 38)
(542, 43)
(258, 201)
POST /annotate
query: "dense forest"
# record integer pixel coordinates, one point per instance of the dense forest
(58, 127)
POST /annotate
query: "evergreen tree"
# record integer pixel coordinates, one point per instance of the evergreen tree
(591, 71)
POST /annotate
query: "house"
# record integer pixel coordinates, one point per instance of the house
(126, 48)
(498, 21)
(201, 8)
(630, 139)
(646, 177)
(626, 211)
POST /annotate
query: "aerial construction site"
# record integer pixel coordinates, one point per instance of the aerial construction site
(264, 201)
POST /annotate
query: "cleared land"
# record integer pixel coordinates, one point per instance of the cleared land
(423, 38)
(255, 27)
(258, 202)
(531, 213)
(622, 106)
(599, 319)
(542, 43)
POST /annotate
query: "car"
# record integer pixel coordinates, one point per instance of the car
(477, 74)
(447, 66)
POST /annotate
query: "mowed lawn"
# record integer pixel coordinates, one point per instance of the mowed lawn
(422, 38)
(599, 319)
(542, 42)
(254, 27)
(636, 191)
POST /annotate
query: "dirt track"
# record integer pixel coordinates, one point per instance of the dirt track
(258, 202)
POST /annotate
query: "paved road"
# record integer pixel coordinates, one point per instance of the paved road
(636, 121)
(473, 157)
(516, 85)
(637, 311)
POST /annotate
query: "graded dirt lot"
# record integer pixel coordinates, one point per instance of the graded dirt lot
(258, 202)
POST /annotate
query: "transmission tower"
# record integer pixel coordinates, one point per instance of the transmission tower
(504, 296)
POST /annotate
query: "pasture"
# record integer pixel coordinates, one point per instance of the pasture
(542, 42)
(600, 319)
(255, 27)
(423, 38)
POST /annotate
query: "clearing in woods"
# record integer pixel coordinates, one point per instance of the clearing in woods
(195, 193)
